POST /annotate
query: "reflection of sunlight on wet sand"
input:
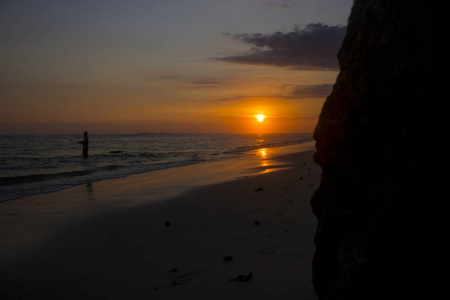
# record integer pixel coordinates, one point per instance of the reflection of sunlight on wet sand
(264, 162)
(262, 153)
(267, 153)
(265, 157)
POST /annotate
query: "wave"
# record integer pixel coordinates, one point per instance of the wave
(243, 149)
(28, 172)
(5, 181)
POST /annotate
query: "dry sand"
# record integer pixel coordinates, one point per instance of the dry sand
(174, 234)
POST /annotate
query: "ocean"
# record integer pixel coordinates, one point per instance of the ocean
(31, 165)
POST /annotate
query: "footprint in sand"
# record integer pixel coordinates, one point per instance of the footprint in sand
(242, 278)
(187, 277)
(267, 251)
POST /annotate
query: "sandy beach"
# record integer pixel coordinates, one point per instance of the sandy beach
(181, 233)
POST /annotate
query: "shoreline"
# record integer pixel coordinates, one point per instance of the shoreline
(117, 239)
(51, 189)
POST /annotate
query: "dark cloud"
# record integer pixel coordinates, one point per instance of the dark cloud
(312, 48)
(207, 82)
(289, 92)
(311, 91)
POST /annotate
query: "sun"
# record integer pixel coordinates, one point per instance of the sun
(260, 117)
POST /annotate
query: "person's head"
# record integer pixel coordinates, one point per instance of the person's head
(85, 133)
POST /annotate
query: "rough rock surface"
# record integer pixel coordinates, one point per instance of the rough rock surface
(382, 225)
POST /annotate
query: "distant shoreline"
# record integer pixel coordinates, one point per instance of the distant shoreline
(144, 133)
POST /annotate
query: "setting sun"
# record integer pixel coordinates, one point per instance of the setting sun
(260, 117)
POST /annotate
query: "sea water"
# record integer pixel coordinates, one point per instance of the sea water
(31, 165)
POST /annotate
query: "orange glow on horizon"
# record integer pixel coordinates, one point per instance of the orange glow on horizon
(261, 115)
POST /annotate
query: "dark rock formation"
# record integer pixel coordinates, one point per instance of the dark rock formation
(382, 225)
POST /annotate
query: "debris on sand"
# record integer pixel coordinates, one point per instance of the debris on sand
(227, 258)
(242, 278)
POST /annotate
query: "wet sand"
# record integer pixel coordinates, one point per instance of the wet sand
(183, 233)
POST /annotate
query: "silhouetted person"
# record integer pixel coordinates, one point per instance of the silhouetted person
(85, 143)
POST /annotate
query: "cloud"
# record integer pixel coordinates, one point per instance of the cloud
(283, 5)
(313, 48)
(311, 91)
(206, 82)
(289, 92)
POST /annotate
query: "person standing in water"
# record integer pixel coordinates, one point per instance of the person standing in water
(85, 143)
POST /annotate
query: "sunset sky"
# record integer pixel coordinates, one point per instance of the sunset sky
(123, 66)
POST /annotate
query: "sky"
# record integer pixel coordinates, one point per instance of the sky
(132, 66)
